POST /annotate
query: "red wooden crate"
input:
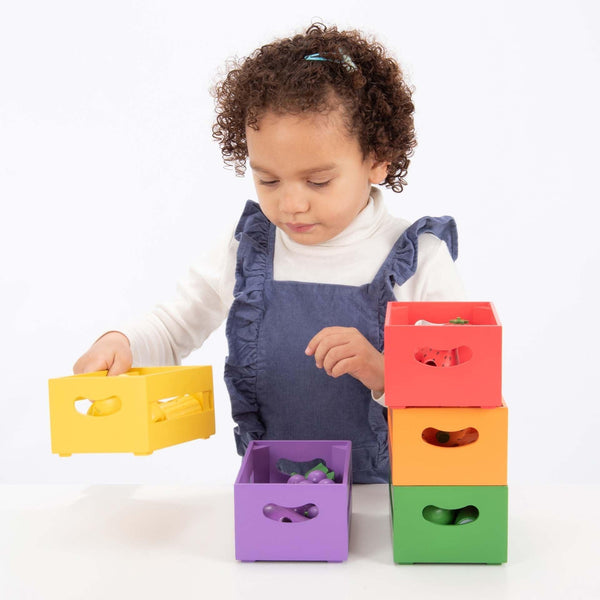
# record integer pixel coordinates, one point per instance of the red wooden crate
(472, 351)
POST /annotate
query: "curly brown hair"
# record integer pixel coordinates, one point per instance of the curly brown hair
(276, 77)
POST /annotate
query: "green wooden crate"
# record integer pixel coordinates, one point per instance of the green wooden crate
(417, 540)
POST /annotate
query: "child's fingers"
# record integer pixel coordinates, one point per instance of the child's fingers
(89, 363)
(344, 350)
(336, 355)
(327, 345)
(345, 366)
(324, 334)
(317, 338)
(121, 364)
(110, 352)
(115, 364)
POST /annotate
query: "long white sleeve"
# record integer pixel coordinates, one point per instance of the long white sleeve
(171, 330)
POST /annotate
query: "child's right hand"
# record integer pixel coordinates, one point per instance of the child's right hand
(111, 352)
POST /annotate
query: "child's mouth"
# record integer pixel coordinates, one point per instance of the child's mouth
(300, 227)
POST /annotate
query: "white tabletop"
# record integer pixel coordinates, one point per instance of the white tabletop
(128, 541)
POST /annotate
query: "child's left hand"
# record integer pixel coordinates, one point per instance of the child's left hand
(341, 350)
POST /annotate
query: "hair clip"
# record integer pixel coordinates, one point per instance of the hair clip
(346, 60)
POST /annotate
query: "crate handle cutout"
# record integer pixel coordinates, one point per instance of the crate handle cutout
(451, 516)
(290, 514)
(433, 357)
(178, 406)
(450, 439)
(102, 407)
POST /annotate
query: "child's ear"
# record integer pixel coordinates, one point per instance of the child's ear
(379, 171)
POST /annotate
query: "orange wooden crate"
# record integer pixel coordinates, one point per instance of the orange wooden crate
(477, 378)
(420, 456)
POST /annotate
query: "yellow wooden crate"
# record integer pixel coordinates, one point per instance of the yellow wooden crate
(140, 411)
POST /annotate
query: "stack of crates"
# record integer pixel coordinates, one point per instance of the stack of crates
(448, 428)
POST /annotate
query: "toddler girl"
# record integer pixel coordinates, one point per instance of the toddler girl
(305, 276)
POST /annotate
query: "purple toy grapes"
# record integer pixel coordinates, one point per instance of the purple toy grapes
(296, 478)
(316, 476)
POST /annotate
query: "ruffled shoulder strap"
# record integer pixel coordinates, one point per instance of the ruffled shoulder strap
(251, 220)
(256, 237)
(253, 232)
(401, 262)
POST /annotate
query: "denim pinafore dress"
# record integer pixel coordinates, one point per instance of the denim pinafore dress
(276, 391)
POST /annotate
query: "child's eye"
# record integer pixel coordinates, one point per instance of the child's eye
(268, 182)
(320, 184)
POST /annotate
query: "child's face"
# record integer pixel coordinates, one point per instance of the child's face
(309, 174)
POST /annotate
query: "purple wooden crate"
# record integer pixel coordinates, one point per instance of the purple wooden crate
(259, 483)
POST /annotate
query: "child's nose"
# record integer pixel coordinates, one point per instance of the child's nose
(292, 200)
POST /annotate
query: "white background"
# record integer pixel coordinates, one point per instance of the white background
(110, 185)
